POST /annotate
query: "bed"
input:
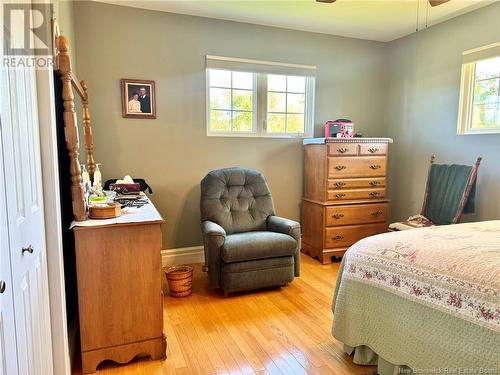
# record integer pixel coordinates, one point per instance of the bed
(425, 299)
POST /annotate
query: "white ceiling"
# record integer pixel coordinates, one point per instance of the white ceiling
(380, 20)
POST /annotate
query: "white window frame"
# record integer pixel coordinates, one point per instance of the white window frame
(464, 125)
(259, 126)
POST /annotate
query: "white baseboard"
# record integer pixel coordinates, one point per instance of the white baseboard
(183, 255)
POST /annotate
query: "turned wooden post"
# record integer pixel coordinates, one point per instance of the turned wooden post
(87, 132)
(71, 130)
(468, 190)
(427, 186)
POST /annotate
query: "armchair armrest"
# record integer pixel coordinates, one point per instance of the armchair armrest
(290, 227)
(282, 225)
(214, 237)
(209, 228)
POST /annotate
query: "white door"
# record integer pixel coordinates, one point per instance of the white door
(25, 217)
(8, 351)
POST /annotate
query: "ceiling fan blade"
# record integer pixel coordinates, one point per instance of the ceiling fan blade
(326, 1)
(435, 3)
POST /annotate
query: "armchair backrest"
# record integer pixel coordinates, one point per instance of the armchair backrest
(237, 199)
(450, 188)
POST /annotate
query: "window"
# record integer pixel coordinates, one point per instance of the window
(479, 111)
(285, 104)
(259, 99)
(231, 101)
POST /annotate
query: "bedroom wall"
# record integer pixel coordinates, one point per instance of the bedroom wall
(63, 12)
(422, 111)
(173, 152)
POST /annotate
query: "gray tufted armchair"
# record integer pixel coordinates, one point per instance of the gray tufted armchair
(246, 245)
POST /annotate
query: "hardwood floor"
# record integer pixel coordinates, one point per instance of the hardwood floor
(274, 331)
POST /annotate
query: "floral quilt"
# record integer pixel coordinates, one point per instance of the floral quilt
(453, 268)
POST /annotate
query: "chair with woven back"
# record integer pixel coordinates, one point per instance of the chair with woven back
(449, 193)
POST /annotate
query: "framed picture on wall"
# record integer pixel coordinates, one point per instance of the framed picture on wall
(138, 98)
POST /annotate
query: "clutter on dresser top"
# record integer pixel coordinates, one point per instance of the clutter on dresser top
(108, 204)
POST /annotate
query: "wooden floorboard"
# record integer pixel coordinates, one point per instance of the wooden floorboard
(277, 331)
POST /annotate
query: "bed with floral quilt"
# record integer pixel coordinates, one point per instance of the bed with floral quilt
(426, 300)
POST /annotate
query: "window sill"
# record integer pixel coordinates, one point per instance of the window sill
(252, 135)
(479, 132)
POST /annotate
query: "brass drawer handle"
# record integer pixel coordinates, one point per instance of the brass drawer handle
(28, 249)
(342, 150)
(340, 167)
(373, 150)
(374, 193)
(338, 238)
(339, 184)
(377, 213)
(339, 195)
(374, 183)
(375, 166)
(338, 216)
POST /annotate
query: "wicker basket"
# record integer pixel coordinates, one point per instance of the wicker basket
(180, 280)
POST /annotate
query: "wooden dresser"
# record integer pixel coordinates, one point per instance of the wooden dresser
(119, 275)
(344, 193)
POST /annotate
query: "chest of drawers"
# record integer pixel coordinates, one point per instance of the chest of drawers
(344, 193)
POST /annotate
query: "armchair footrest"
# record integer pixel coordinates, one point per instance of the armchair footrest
(257, 274)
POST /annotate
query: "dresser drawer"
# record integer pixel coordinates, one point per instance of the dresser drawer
(343, 149)
(355, 183)
(348, 235)
(355, 194)
(373, 149)
(357, 214)
(340, 167)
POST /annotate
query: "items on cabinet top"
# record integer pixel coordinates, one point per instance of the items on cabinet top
(145, 213)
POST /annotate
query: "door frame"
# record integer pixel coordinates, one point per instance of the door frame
(51, 197)
(52, 215)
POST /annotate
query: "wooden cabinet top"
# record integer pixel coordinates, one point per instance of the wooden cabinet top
(321, 141)
(147, 214)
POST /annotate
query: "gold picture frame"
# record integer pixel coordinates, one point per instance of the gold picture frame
(138, 98)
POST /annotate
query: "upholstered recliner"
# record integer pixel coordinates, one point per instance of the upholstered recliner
(246, 246)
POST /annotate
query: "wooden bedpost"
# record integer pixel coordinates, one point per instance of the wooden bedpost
(71, 130)
(87, 132)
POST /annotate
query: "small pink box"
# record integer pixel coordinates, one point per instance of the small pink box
(339, 129)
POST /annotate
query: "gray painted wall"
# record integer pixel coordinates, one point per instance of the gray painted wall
(173, 152)
(422, 111)
(63, 11)
(407, 89)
